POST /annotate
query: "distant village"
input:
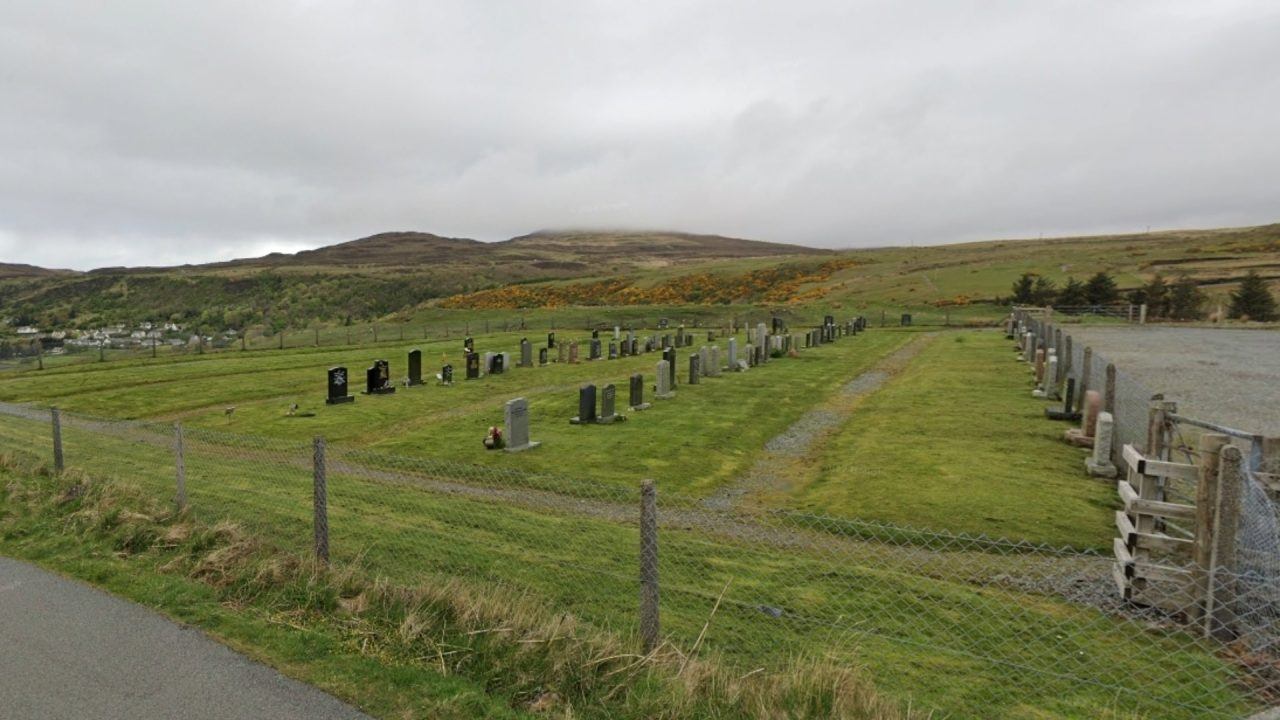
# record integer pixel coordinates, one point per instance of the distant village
(23, 339)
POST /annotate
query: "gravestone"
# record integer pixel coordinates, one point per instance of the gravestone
(704, 360)
(906, 320)
(573, 353)
(1098, 464)
(497, 363)
(506, 360)
(338, 387)
(713, 361)
(595, 349)
(595, 334)
(378, 379)
(636, 399)
(624, 346)
(560, 353)
(613, 350)
(777, 325)
(617, 333)
(608, 403)
(542, 356)
(526, 353)
(670, 356)
(516, 419)
(662, 323)
(1083, 435)
(663, 391)
(415, 367)
(469, 343)
(762, 342)
(733, 353)
(1039, 365)
(695, 363)
(633, 343)
(551, 339)
(666, 341)
(679, 339)
(473, 365)
(586, 405)
(446, 375)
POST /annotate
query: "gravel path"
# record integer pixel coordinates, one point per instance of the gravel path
(1231, 377)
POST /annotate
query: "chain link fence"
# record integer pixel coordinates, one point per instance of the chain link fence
(971, 625)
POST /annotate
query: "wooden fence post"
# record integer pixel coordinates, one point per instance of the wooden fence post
(1220, 605)
(180, 466)
(649, 627)
(1202, 541)
(1157, 420)
(56, 418)
(320, 498)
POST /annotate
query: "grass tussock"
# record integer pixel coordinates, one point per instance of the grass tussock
(540, 661)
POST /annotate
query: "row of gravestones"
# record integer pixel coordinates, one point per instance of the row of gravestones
(704, 363)
(378, 375)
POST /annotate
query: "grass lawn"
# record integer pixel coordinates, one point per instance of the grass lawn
(928, 636)
(956, 442)
(696, 441)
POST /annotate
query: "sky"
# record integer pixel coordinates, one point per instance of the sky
(156, 133)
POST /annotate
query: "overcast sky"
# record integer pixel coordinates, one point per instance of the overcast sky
(167, 132)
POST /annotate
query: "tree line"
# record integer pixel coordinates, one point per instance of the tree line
(1181, 299)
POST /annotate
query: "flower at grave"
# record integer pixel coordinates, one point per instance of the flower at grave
(493, 439)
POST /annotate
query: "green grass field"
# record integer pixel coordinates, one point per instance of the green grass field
(957, 441)
(953, 441)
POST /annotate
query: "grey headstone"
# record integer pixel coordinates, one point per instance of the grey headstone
(516, 419)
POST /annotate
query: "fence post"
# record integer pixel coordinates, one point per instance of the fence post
(1157, 419)
(1086, 369)
(1109, 396)
(1210, 446)
(56, 418)
(1220, 610)
(320, 497)
(180, 466)
(649, 628)
(1142, 314)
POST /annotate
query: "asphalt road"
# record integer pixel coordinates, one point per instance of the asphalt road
(68, 650)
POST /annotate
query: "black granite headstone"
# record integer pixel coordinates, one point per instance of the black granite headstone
(473, 365)
(338, 386)
(415, 367)
(586, 405)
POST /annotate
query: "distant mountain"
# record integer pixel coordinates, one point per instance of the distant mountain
(545, 249)
(19, 270)
(357, 280)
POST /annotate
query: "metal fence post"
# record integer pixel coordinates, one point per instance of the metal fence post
(56, 417)
(180, 467)
(1109, 395)
(320, 497)
(649, 627)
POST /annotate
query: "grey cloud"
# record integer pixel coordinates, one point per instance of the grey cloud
(155, 132)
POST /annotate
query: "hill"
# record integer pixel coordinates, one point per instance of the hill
(357, 280)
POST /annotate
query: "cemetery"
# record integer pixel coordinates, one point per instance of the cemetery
(876, 430)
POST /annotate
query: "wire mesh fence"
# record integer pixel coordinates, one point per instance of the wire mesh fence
(971, 625)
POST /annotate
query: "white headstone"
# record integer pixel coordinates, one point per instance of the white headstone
(1099, 464)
